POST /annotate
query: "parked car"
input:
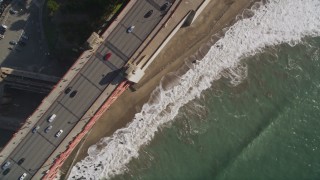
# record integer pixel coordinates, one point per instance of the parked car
(59, 133)
(13, 42)
(130, 29)
(24, 37)
(13, 11)
(48, 129)
(51, 118)
(22, 43)
(35, 129)
(4, 27)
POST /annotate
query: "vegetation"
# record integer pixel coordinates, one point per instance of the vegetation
(69, 23)
(97, 10)
(53, 6)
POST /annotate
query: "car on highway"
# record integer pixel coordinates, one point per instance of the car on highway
(35, 129)
(5, 172)
(13, 42)
(67, 90)
(165, 6)
(73, 93)
(148, 14)
(51, 118)
(48, 129)
(130, 29)
(59, 133)
(21, 161)
(5, 165)
(24, 175)
(107, 56)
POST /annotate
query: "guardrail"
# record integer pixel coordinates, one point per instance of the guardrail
(63, 156)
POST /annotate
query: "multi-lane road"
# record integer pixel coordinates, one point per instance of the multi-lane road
(89, 83)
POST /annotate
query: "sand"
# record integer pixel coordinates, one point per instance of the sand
(192, 42)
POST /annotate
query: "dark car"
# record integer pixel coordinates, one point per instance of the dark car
(67, 90)
(73, 94)
(148, 14)
(165, 6)
(13, 42)
(22, 43)
(48, 129)
(24, 37)
(5, 172)
(21, 161)
(107, 56)
(35, 129)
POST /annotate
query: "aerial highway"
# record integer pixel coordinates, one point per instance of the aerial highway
(83, 90)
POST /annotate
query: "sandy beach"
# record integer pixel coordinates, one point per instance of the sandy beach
(193, 43)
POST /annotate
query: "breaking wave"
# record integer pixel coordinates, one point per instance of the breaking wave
(269, 24)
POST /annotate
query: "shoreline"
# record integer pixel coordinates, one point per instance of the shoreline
(192, 41)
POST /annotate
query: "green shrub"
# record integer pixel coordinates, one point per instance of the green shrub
(53, 6)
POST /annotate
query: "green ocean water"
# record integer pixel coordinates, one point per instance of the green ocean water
(266, 127)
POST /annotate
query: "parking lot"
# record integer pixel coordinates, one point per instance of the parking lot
(29, 53)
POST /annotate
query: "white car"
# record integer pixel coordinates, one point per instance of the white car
(130, 29)
(24, 175)
(4, 26)
(52, 117)
(59, 133)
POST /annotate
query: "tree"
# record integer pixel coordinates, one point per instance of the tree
(53, 6)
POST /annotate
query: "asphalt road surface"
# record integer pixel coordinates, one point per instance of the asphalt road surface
(95, 76)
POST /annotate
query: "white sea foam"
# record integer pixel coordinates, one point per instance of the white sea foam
(278, 21)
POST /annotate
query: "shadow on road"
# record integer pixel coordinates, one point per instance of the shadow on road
(18, 25)
(108, 78)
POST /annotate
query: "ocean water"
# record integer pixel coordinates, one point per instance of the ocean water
(247, 109)
(266, 127)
